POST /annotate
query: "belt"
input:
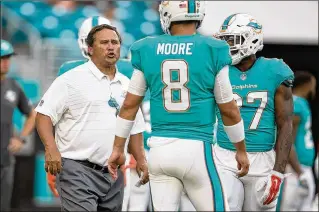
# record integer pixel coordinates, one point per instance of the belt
(93, 166)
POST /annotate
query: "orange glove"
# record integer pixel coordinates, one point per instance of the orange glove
(131, 165)
(51, 183)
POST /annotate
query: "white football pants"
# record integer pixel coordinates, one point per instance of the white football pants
(186, 204)
(241, 193)
(177, 164)
(295, 198)
(127, 187)
(140, 197)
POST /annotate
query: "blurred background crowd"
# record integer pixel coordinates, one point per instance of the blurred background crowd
(44, 35)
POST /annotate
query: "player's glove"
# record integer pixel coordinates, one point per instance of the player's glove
(303, 188)
(132, 163)
(272, 186)
(51, 182)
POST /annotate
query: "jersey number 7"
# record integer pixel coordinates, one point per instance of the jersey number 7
(251, 97)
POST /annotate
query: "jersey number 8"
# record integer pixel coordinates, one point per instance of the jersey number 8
(176, 95)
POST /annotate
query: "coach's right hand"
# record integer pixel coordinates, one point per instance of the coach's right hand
(242, 163)
(52, 161)
(116, 160)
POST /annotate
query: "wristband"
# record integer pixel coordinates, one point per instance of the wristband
(123, 127)
(236, 133)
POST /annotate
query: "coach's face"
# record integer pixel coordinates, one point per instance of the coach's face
(106, 47)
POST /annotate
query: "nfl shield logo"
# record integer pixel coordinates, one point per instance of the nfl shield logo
(243, 76)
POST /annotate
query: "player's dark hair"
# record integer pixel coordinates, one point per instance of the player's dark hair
(301, 78)
(91, 36)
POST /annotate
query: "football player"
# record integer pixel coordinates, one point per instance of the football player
(187, 75)
(299, 188)
(262, 88)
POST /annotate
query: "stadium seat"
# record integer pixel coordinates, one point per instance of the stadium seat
(55, 22)
(31, 11)
(32, 91)
(42, 193)
(133, 25)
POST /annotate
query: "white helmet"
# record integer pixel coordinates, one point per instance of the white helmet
(245, 33)
(171, 11)
(84, 30)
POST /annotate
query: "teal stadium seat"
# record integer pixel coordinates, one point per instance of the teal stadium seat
(32, 91)
(134, 19)
(42, 194)
(52, 22)
(4, 22)
(28, 11)
(138, 20)
(12, 4)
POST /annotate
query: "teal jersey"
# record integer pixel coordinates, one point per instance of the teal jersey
(67, 66)
(125, 67)
(180, 73)
(254, 92)
(304, 144)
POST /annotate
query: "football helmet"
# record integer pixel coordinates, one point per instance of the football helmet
(172, 11)
(84, 30)
(244, 35)
(6, 48)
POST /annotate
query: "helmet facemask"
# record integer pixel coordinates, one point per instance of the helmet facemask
(165, 22)
(83, 47)
(242, 45)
